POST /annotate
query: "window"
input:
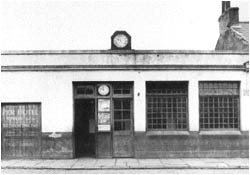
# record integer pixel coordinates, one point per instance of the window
(167, 105)
(122, 89)
(219, 105)
(85, 90)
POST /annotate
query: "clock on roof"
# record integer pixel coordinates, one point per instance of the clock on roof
(120, 40)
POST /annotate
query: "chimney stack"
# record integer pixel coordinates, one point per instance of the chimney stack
(229, 16)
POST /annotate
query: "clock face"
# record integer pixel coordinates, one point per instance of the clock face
(103, 89)
(120, 40)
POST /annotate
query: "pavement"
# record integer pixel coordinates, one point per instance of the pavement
(126, 163)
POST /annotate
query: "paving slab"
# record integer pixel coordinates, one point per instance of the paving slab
(241, 163)
(6, 163)
(150, 163)
(46, 164)
(199, 163)
(85, 163)
(174, 163)
(209, 160)
(127, 163)
(25, 163)
(105, 163)
(64, 163)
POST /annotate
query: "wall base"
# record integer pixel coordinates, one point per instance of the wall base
(59, 146)
(192, 145)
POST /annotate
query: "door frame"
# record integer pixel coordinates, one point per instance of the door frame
(95, 96)
(75, 85)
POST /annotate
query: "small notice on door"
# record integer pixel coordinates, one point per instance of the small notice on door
(104, 128)
(104, 118)
(103, 105)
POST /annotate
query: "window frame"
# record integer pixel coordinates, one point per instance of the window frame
(168, 131)
(213, 131)
(130, 95)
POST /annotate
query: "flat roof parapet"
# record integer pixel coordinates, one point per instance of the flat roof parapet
(48, 52)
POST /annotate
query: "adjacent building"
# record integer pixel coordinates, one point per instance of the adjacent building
(124, 103)
(234, 34)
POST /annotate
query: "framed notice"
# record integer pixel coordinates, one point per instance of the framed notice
(103, 118)
(104, 128)
(103, 105)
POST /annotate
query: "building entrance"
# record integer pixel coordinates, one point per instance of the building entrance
(103, 119)
(84, 127)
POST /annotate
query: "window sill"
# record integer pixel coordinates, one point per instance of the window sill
(152, 133)
(220, 133)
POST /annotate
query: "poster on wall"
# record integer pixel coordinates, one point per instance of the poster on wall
(103, 105)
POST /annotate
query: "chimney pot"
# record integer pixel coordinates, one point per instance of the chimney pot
(225, 6)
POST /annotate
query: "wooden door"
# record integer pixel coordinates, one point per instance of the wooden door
(123, 128)
(21, 130)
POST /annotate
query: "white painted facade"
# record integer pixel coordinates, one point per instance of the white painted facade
(53, 86)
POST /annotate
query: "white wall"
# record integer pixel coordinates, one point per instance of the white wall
(129, 58)
(55, 91)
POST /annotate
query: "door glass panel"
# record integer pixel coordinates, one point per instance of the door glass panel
(122, 114)
(118, 114)
(126, 104)
(126, 115)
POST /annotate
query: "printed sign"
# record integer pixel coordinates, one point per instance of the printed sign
(55, 135)
(104, 128)
(104, 105)
(103, 118)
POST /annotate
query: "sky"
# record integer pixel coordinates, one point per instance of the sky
(88, 24)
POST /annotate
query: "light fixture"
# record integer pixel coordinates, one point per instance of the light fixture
(246, 65)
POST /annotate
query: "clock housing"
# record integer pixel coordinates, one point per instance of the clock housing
(120, 40)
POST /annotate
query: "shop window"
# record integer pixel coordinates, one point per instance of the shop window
(219, 105)
(167, 105)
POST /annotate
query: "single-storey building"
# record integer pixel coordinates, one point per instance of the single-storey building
(124, 103)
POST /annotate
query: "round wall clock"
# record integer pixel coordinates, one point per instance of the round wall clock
(103, 89)
(120, 40)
